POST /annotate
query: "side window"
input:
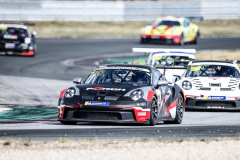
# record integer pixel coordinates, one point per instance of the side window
(185, 24)
(156, 76)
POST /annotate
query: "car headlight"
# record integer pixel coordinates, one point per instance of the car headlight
(186, 85)
(136, 95)
(174, 31)
(144, 30)
(27, 40)
(69, 93)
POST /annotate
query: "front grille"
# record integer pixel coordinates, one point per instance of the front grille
(214, 84)
(205, 89)
(215, 104)
(225, 89)
(97, 115)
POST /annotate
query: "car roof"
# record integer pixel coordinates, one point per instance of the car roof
(149, 67)
(212, 61)
(173, 18)
(13, 25)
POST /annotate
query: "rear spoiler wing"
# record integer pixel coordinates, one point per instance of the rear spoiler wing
(168, 67)
(19, 23)
(197, 18)
(150, 50)
(234, 61)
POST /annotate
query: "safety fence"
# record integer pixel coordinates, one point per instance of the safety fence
(115, 10)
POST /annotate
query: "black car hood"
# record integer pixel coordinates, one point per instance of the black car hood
(107, 89)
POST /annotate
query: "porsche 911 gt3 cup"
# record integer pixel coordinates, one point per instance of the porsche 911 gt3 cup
(169, 61)
(171, 30)
(15, 39)
(122, 93)
(211, 84)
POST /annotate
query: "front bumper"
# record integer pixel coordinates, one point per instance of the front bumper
(175, 39)
(113, 113)
(193, 103)
(17, 50)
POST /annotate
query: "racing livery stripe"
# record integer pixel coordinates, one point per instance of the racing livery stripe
(150, 95)
(173, 104)
(168, 28)
(61, 94)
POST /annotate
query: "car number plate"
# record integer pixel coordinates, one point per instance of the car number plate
(156, 37)
(217, 97)
(2, 53)
(10, 45)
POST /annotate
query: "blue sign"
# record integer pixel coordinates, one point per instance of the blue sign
(217, 97)
(97, 103)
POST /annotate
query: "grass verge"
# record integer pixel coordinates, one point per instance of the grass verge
(125, 29)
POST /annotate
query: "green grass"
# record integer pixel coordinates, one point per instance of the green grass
(125, 29)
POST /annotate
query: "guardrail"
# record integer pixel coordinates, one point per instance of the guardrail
(115, 10)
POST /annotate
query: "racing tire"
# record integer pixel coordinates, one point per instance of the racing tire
(196, 38)
(181, 43)
(68, 123)
(153, 112)
(179, 111)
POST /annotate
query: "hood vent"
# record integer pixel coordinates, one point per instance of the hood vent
(102, 93)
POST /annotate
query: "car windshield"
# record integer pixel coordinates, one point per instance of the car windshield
(171, 60)
(169, 23)
(212, 71)
(118, 76)
(14, 31)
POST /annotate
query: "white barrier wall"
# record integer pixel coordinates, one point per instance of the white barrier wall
(115, 10)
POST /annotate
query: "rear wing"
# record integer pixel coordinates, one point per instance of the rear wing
(151, 50)
(234, 61)
(19, 23)
(197, 18)
(169, 67)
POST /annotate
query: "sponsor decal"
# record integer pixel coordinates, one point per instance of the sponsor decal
(169, 93)
(195, 68)
(96, 103)
(106, 89)
(10, 45)
(215, 107)
(7, 36)
(141, 104)
(217, 97)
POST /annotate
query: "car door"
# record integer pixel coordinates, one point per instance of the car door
(157, 75)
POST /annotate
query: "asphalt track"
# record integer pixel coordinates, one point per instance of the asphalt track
(47, 64)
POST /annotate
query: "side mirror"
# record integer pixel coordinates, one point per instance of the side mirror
(163, 83)
(77, 80)
(34, 33)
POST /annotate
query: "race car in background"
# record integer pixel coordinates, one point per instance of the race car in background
(122, 93)
(211, 85)
(171, 30)
(171, 62)
(15, 39)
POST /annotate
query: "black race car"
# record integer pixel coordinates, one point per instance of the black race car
(15, 39)
(122, 93)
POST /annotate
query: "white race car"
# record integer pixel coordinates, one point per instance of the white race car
(211, 84)
(172, 62)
